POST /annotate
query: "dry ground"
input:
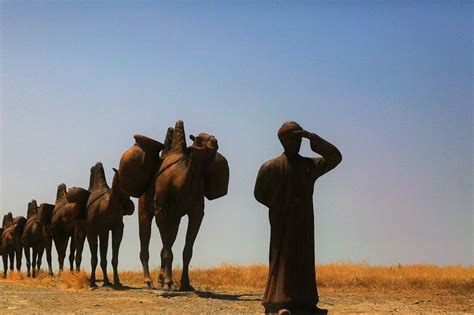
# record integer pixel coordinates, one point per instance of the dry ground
(238, 289)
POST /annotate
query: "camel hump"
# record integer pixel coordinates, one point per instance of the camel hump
(91, 178)
(77, 195)
(167, 142)
(7, 220)
(97, 178)
(178, 141)
(61, 193)
(45, 213)
(32, 209)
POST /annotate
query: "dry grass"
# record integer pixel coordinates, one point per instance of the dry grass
(400, 277)
(334, 276)
(66, 280)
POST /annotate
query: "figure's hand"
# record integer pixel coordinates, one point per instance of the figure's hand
(301, 133)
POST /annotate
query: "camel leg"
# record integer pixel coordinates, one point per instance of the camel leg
(161, 275)
(117, 234)
(5, 265)
(61, 246)
(158, 203)
(28, 261)
(92, 240)
(49, 246)
(144, 226)
(19, 256)
(40, 257)
(80, 236)
(35, 255)
(168, 232)
(11, 255)
(72, 250)
(195, 219)
(104, 243)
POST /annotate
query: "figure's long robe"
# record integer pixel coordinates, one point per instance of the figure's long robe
(285, 185)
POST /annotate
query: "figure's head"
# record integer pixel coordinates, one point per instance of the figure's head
(204, 146)
(289, 140)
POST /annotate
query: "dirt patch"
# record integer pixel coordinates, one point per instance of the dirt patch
(16, 297)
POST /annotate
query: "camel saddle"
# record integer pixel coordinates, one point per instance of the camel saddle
(45, 213)
(138, 165)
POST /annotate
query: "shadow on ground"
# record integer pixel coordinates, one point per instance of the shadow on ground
(249, 297)
(212, 295)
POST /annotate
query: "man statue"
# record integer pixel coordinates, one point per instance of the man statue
(285, 185)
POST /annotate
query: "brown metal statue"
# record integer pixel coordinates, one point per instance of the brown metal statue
(285, 185)
(177, 186)
(33, 238)
(105, 210)
(43, 218)
(68, 221)
(11, 242)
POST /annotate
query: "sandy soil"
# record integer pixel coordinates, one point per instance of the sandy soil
(18, 298)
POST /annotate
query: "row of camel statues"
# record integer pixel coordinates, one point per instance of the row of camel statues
(170, 179)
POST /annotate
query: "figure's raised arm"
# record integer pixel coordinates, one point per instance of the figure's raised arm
(330, 155)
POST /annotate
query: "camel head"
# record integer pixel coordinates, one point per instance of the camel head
(204, 147)
(121, 199)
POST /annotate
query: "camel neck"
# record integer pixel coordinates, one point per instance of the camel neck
(194, 169)
(114, 198)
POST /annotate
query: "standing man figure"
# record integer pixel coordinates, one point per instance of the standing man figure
(285, 185)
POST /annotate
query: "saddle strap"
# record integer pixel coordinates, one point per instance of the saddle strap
(166, 167)
(96, 198)
(61, 205)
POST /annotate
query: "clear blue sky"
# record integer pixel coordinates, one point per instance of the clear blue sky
(389, 84)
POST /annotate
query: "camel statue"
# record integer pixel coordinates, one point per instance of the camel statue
(182, 177)
(11, 242)
(8, 222)
(105, 210)
(68, 221)
(33, 238)
(43, 218)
